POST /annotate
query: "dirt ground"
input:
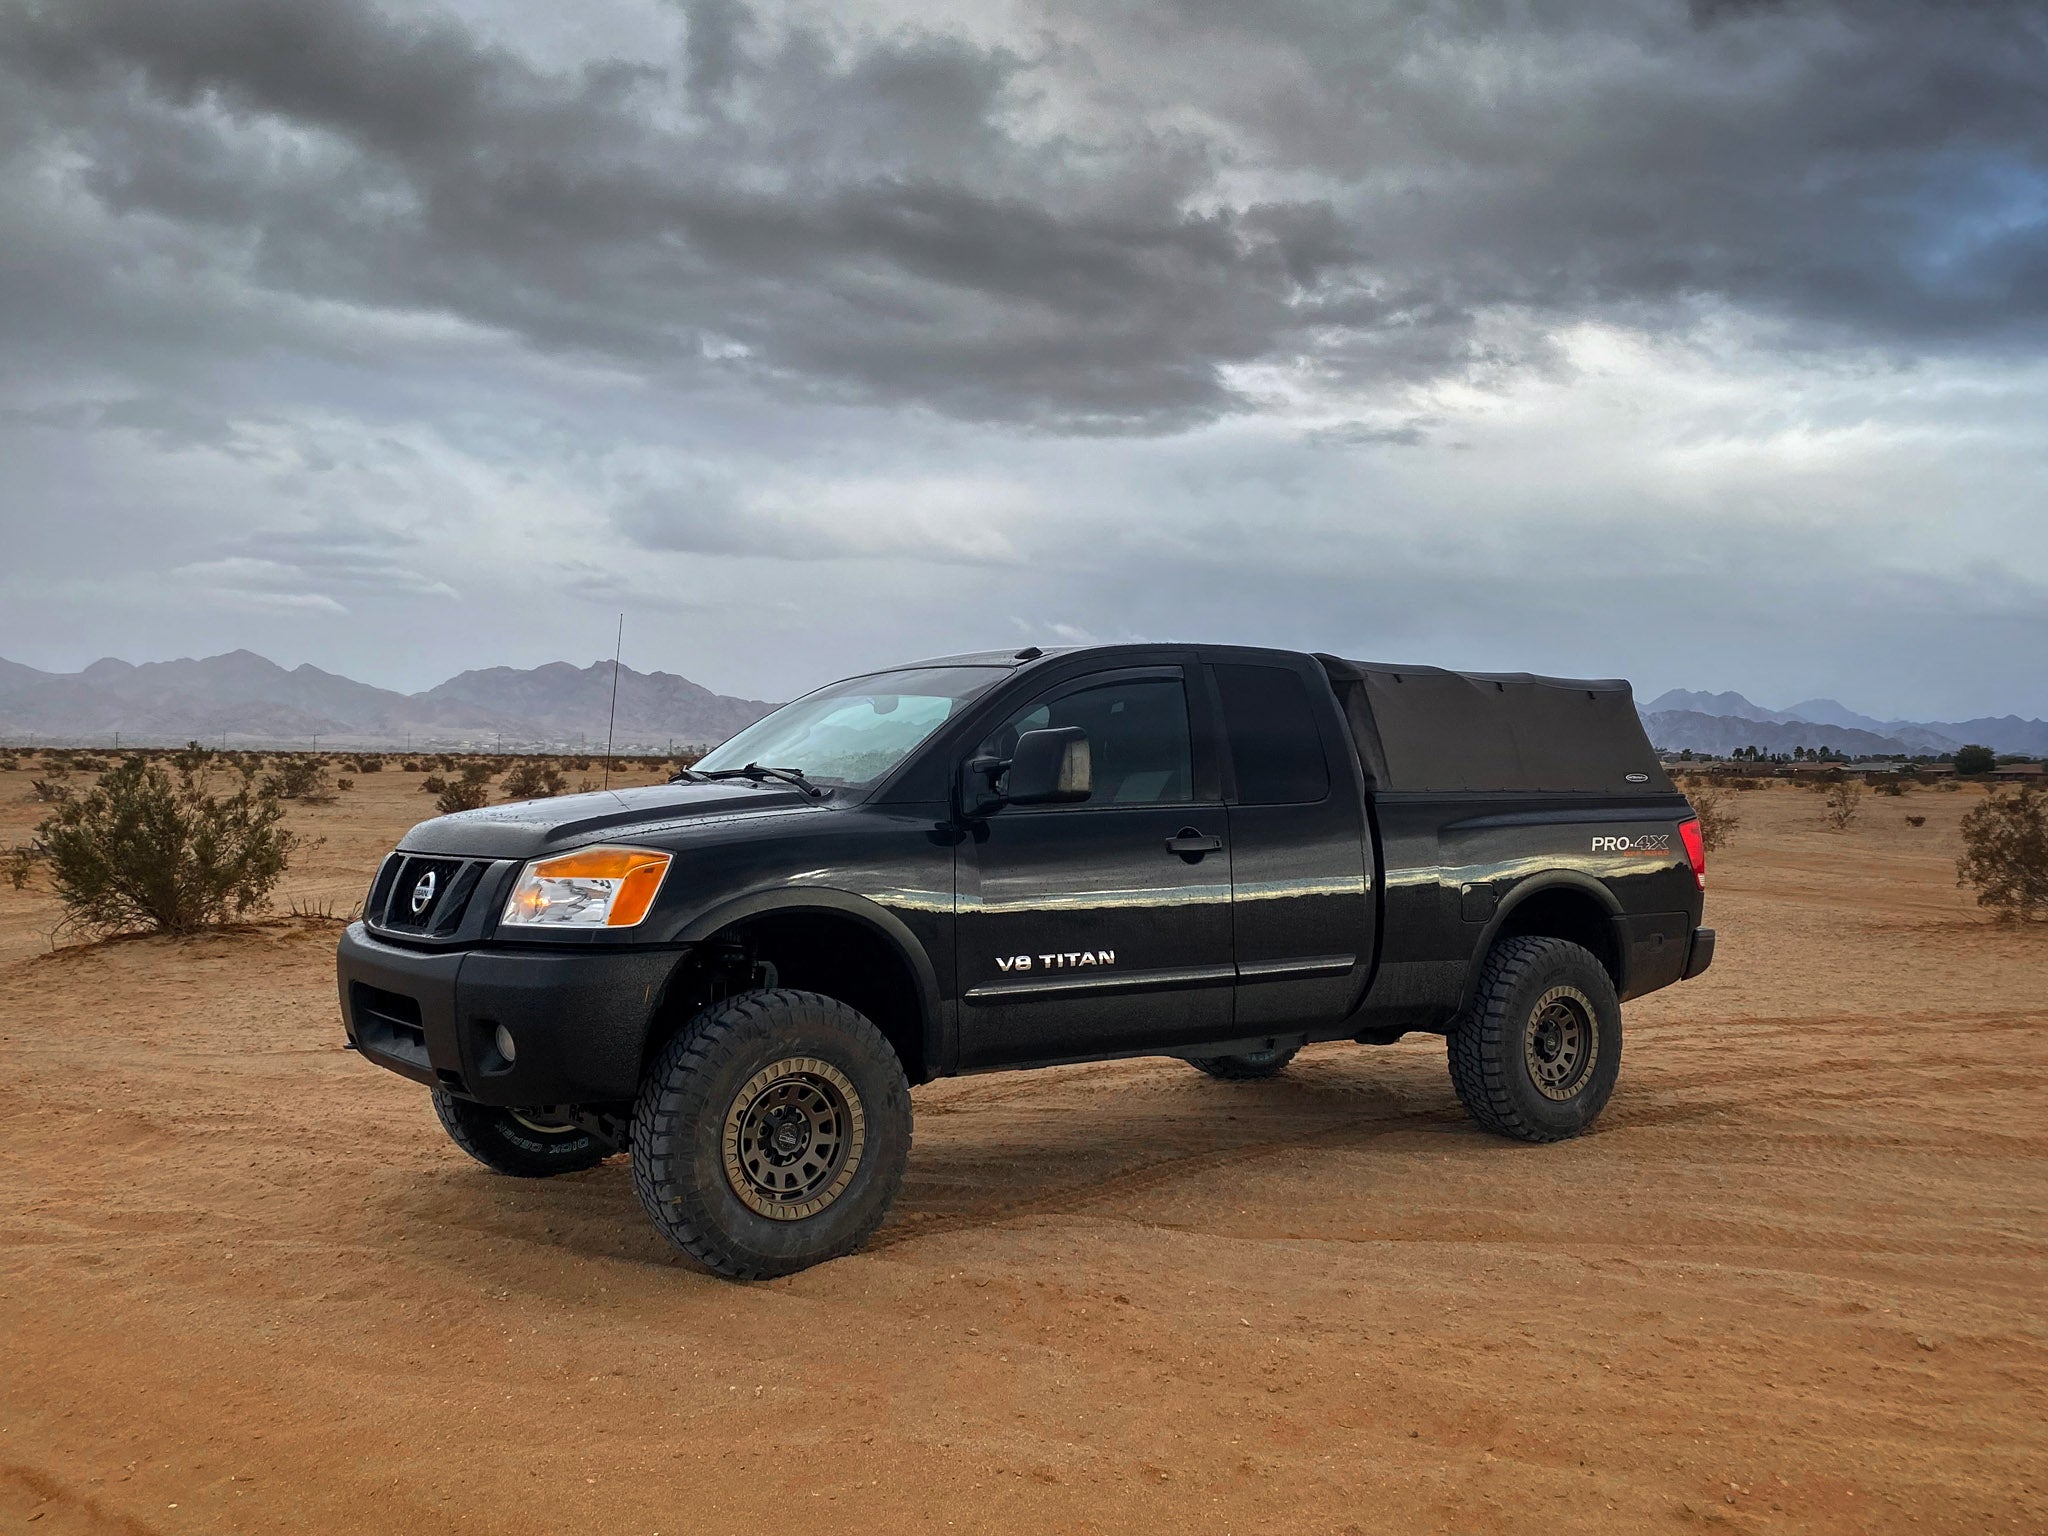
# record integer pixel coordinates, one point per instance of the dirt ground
(1797, 1280)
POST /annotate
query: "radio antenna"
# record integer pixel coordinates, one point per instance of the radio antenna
(618, 648)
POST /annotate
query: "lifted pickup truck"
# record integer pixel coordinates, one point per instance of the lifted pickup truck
(1009, 860)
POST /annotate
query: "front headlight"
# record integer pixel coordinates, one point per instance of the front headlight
(590, 888)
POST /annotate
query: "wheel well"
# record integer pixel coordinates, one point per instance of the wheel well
(811, 951)
(1566, 914)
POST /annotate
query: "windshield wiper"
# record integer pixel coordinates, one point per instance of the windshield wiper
(793, 776)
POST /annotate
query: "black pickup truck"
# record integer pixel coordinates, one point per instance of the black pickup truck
(1010, 860)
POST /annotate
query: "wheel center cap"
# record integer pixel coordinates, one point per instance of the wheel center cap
(789, 1136)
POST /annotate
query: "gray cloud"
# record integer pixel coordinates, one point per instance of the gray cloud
(395, 337)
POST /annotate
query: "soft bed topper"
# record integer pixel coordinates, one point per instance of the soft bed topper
(1423, 728)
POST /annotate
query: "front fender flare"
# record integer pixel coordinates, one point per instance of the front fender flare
(886, 924)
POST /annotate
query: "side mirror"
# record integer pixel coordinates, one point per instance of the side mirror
(1051, 768)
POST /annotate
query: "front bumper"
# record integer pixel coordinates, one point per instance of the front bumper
(578, 1020)
(1701, 955)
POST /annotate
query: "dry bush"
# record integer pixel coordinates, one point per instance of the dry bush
(467, 793)
(1916, 821)
(21, 863)
(585, 786)
(142, 849)
(433, 784)
(1888, 784)
(413, 765)
(2005, 853)
(1844, 801)
(1718, 817)
(300, 778)
(344, 784)
(50, 791)
(87, 764)
(533, 780)
(8, 763)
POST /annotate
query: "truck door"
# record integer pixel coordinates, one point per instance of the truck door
(1301, 858)
(1103, 926)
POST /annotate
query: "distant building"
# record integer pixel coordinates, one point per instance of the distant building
(2019, 773)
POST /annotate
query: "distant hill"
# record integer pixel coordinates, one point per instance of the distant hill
(251, 699)
(1727, 705)
(1720, 722)
(1688, 730)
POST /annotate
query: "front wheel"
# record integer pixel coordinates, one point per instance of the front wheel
(1536, 1056)
(771, 1134)
(524, 1146)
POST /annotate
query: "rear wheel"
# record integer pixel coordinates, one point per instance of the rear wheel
(771, 1134)
(526, 1147)
(1248, 1067)
(1536, 1056)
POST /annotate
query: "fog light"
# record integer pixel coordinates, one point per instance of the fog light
(503, 1040)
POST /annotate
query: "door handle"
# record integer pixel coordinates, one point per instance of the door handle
(1191, 843)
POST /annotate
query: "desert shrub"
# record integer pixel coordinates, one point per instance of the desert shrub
(20, 864)
(1949, 784)
(299, 778)
(413, 765)
(433, 784)
(1843, 802)
(585, 786)
(369, 765)
(344, 784)
(144, 849)
(87, 764)
(465, 794)
(1718, 818)
(8, 762)
(193, 758)
(2005, 853)
(580, 764)
(531, 780)
(1888, 784)
(50, 791)
(1916, 821)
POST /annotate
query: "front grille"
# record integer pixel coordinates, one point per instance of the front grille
(406, 876)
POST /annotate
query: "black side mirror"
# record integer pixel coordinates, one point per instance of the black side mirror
(1051, 767)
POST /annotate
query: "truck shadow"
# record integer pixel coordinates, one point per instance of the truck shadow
(993, 1150)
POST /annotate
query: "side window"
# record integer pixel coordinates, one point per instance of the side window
(1138, 739)
(1274, 744)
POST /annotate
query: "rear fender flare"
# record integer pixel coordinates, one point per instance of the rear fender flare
(1538, 884)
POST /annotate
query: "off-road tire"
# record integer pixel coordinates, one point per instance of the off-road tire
(694, 1118)
(499, 1140)
(1247, 1068)
(1498, 1046)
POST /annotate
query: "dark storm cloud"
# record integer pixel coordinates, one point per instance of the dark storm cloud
(861, 225)
(875, 219)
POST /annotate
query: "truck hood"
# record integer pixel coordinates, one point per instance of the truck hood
(526, 829)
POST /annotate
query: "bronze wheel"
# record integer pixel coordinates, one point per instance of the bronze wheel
(1561, 1044)
(793, 1138)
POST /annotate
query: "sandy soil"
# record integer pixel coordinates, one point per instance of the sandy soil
(1797, 1281)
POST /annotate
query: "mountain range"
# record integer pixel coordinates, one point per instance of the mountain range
(1719, 723)
(254, 701)
(250, 700)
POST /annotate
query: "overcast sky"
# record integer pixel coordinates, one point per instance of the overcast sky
(1700, 344)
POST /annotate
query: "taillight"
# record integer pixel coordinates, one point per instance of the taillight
(1695, 848)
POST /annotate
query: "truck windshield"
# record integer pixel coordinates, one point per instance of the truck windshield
(852, 733)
